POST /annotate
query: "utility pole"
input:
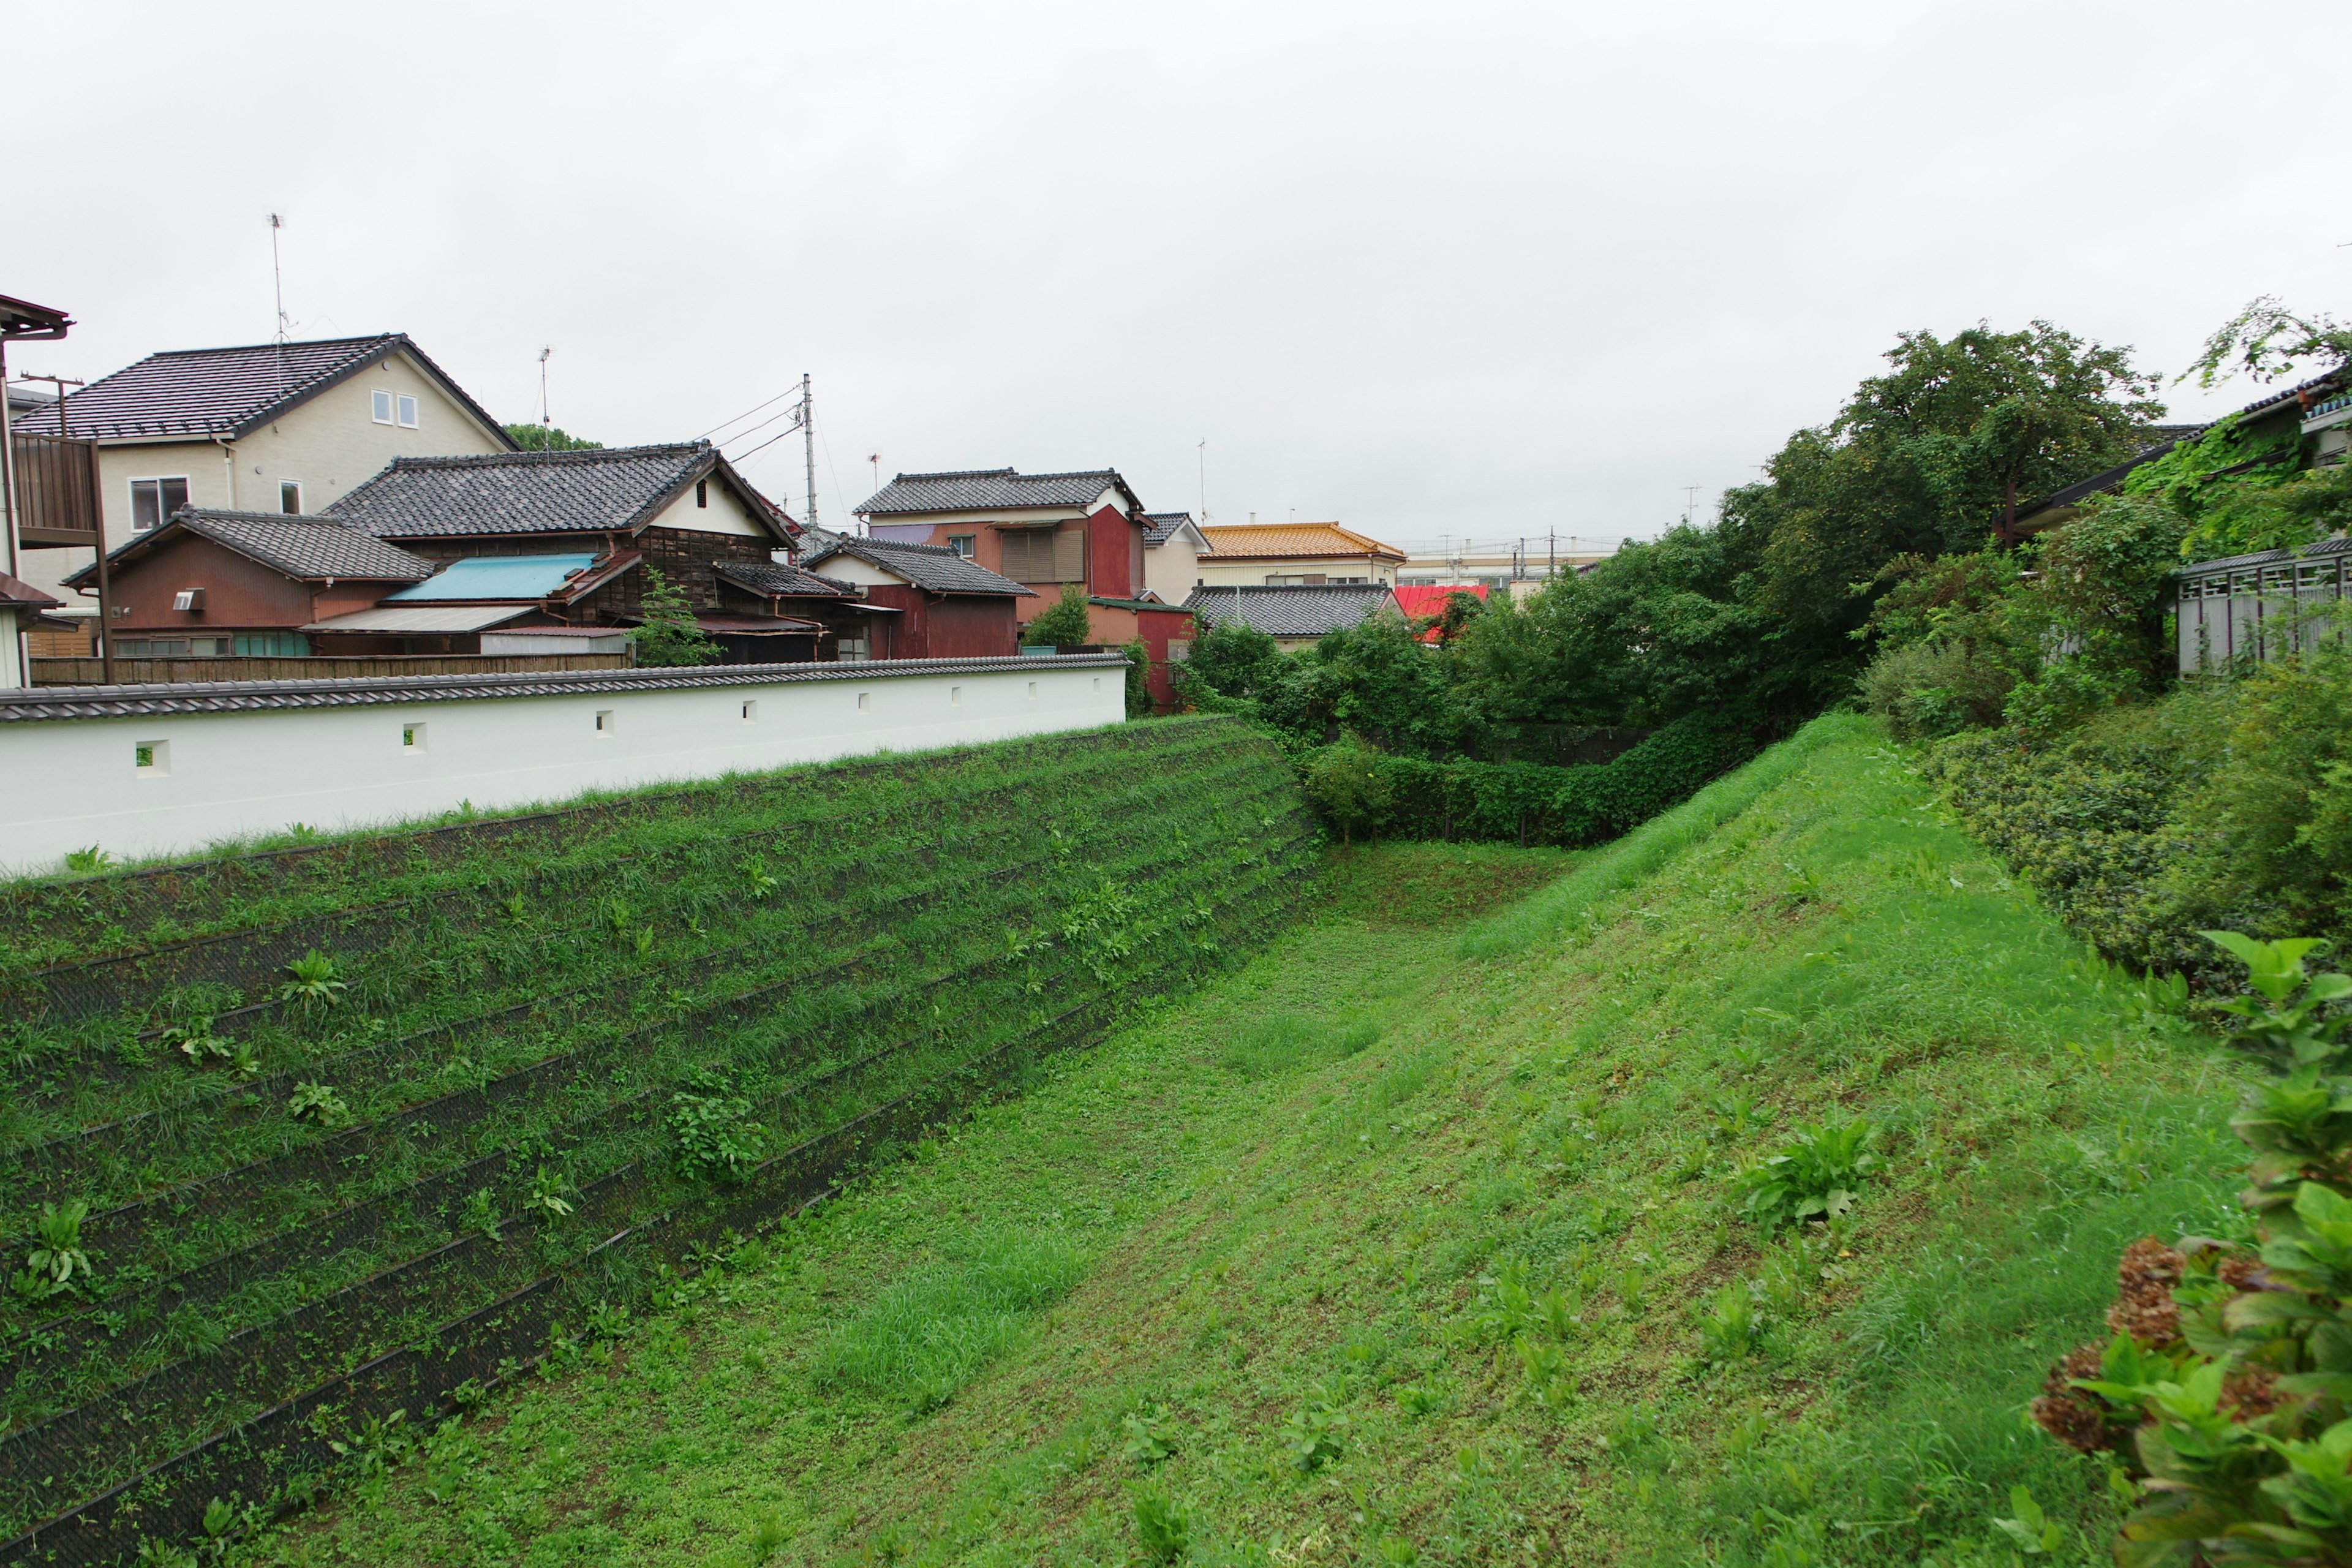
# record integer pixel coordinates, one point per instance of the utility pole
(808, 445)
(1552, 554)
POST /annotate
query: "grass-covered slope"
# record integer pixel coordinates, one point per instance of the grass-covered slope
(358, 1129)
(1416, 1241)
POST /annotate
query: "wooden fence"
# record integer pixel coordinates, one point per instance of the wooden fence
(166, 671)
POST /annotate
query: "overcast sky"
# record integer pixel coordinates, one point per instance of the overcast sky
(1458, 269)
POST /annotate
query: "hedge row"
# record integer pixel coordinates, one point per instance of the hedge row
(1532, 803)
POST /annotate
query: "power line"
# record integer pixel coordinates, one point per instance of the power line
(746, 415)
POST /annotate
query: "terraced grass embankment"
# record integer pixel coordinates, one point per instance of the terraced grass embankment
(1419, 1241)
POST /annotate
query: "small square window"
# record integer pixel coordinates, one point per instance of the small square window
(290, 495)
(864, 702)
(603, 721)
(750, 713)
(380, 407)
(407, 412)
(961, 543)
(151, 758)
(412, 737)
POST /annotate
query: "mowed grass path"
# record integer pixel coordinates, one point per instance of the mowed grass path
(1380, 1252)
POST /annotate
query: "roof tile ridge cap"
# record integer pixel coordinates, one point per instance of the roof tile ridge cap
(959, 474)
(250, 348)
(1077, 474)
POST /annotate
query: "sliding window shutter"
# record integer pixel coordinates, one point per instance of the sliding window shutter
(1070, 555)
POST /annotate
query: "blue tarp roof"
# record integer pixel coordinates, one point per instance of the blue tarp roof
(496, 577)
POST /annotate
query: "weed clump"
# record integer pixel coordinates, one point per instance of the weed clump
(939, 1328)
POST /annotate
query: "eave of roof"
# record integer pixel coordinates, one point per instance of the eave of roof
(993, 490)
(248, 534)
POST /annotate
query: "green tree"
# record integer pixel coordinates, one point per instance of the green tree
(668, 634)
(1346, 785)
(1067, 622)
(548, 438)
(2267, 340)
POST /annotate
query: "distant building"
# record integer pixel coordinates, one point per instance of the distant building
(1044, 531)
(1294, 616)
(1515, 566)
(1302, 554)
(925, 601)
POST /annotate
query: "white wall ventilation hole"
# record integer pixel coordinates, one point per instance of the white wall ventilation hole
(412, 739)
(603, 721)
(151, 758)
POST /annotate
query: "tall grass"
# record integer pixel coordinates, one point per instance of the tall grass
(1283, 1042)
(940, 1326)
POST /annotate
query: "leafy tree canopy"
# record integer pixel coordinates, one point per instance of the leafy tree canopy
(1067, 622)
(550, 439)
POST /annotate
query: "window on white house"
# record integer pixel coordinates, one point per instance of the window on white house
(152, 500)
(290, 495)
(380, 407)
(407, 412)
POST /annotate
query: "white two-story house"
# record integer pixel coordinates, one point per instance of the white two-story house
(283, 427)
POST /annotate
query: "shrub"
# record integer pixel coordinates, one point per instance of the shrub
(669, 634)
(717, 1138)
(2225, 1388)
(1927, 689)
(1347, 784)
(1139, 679)
(1066, 622)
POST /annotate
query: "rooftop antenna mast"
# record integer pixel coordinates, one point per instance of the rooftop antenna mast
(808, 445)
(277, 278)
(1205, 481)
(546, 424)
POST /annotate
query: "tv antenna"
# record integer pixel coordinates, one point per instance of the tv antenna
(1205, 481)
(546, 424)
(1690, 502)
(277, 278)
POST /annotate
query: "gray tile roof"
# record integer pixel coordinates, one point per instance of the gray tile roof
(231, 391)
(1304, 611)
(609, 490)
(35, 704)
(932, 566)
(1159, 526)
(308, 548)
(766, 578)
(2202, 569)
(985, 490)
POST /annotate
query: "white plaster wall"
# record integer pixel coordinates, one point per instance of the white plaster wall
(64, 783)
(1170, 569)
(725, 514)
(1224, 572)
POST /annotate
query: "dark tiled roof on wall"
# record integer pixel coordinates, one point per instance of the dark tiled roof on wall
(930, 566)
(308, 548)
(609, 490)
(1303, 611)
(981, 490)
(226, 392)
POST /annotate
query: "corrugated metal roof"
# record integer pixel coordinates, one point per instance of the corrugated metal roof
(419, 619)
(496, 577)
(50, 703)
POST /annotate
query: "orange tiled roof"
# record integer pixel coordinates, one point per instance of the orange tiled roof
(1293, 542)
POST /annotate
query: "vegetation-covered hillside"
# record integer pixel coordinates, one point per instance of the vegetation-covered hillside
(1433, 1239)
(305, 1148)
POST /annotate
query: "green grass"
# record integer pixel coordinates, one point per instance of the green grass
(1439, 1298)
